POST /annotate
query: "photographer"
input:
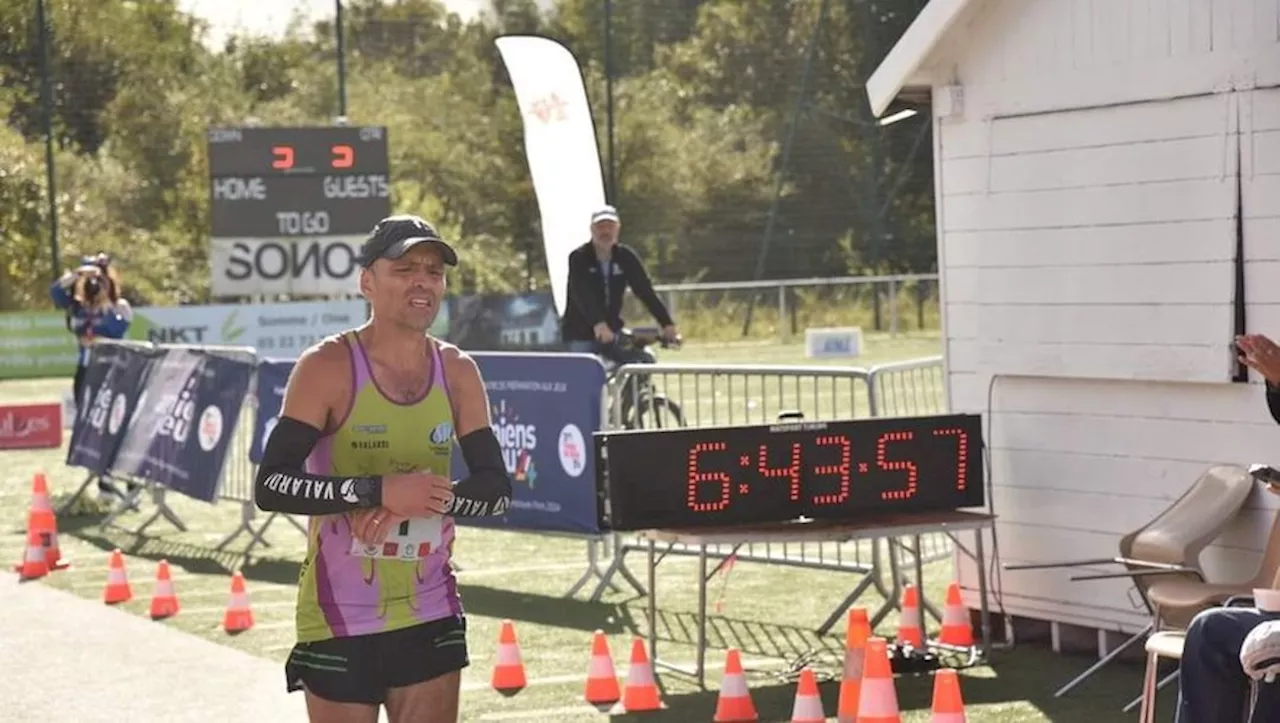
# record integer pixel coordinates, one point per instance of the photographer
(90, 295)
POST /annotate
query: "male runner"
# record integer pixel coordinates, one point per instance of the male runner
(363, 446)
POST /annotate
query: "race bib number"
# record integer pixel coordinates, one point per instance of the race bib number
(411, 540)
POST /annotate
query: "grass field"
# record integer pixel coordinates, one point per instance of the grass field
(769, 612)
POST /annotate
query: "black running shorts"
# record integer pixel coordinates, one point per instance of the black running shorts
(361, 668)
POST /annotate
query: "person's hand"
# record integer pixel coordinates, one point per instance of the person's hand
(371, 526)
(670, 333)
(1260, 354)
(416, 494)
(603, 333)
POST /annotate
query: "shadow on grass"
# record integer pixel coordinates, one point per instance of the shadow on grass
(529, 607)
(194, 558)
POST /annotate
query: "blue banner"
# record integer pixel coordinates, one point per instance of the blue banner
(273, 374)
(544, 409)
(185, 421)
(112, 386)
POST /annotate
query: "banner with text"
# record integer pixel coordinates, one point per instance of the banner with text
(277, 330)
(114, 383)
(185, 421)
(544, 409)
(313, 264)
(36, 344)
(273, 374)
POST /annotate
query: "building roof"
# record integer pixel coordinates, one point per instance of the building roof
(910, 52)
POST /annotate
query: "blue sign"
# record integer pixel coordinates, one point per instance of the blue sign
(112, 381)
(544, 409)
(185, 420)
(273, 375)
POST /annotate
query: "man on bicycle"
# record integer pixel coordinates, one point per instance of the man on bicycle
(600, 271)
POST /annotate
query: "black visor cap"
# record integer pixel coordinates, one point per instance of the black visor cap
(395, 235)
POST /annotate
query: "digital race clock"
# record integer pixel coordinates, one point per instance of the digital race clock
(720, 476)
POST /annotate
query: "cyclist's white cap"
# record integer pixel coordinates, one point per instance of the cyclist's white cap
(605, 213)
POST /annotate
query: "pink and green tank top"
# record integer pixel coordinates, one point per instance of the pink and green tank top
(346, 588)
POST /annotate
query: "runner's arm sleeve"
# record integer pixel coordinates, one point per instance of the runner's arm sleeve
(487, 490)
(283, 485)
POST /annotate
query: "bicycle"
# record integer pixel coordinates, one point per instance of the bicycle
(642, 405)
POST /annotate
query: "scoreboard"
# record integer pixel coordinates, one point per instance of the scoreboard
(289, 207)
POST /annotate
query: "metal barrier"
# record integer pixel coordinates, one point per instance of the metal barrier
(666, 395)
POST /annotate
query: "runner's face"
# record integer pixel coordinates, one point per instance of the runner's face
(407, 291)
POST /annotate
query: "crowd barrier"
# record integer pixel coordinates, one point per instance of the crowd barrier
(194, 420)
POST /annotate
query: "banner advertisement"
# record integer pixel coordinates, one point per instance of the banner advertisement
(35, 344)
(114, 383)
(273, 374)
(560, 146)
(524, 322)
(311, 264)
(281, 330)
(544, 410)
(185, 421)
(30, 426)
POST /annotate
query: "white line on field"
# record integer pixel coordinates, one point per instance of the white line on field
(545, 713)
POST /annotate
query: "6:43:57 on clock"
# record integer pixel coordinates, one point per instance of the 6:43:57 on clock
(780, 472)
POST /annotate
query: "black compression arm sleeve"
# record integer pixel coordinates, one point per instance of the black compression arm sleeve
(487, 490)
(283, 485)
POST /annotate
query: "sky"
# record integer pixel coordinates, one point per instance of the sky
(271, 17)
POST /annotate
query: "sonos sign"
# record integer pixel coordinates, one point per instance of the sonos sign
(249, 267)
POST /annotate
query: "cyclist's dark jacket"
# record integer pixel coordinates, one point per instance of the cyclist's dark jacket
(586, 304)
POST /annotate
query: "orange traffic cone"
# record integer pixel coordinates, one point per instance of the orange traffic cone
(909, 622)
(118, 589)
(164, 603)
(33, 565)
(956, 628)
(602, 678)
(734, 705)
(878, 699)
(948, 705)
(41, 518)
(239, 616)
(808, 705)
(641, 693)
(855, 650)
(508, 672)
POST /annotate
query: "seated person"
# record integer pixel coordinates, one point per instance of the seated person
(1214, 686)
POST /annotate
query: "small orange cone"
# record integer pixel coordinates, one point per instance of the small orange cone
(508, 672)
(41, 518)
(910, 629)
(164, 603)
(734, 705)
(948, 705)
(956, 628)
(239, 616)
(808, 705)
(602, 678)
(33, 565)
(878, 699)
(117, 590)
(855, 651)
(641, 693)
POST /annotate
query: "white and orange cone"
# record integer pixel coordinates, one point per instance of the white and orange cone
(602, 678)
(878, 699)
(735, 704)
(948, 705)
(910, 627)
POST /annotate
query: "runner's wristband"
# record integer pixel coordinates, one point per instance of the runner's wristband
(283, 485)
(487, 490)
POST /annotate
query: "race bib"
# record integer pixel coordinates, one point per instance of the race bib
(411, 540)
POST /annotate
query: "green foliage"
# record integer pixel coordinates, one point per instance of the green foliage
(704, 92)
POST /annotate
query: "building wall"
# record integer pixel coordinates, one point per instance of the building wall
(1087, 193)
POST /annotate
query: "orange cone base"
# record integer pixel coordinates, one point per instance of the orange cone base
(61, 564)
(237, 621)
(162, 610)
(638, 704)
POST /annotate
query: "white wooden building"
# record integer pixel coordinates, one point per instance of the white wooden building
(1086, 156)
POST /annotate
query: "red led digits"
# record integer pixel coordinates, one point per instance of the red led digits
(696, 478)
(962, 453)
(343, 156)
(842, 469)
(791, 471)
(282, 157)
(897, 466)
